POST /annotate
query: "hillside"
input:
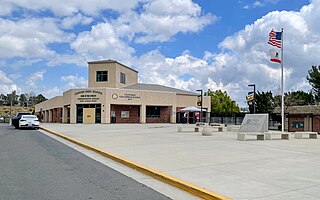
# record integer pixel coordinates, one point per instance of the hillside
(5, 110)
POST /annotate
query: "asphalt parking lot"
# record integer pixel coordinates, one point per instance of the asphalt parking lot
(276, 169)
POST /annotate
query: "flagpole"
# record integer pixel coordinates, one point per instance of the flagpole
(282, 95)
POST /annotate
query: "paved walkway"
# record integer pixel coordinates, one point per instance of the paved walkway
(277, 169)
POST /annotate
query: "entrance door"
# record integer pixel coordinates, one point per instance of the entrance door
(89, 115)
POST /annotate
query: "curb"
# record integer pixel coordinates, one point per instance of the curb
(188, 187)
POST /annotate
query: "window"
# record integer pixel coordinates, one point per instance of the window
(124, 114)
(122, 78)
(153, 111)
(297, 124)
(102, 76)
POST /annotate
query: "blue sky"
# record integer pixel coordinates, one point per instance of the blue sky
(186, 44)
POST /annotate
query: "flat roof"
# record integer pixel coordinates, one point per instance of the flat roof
(110, 61)
(304, 109)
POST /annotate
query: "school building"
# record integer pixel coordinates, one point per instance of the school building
(301, 118)
(115, 96)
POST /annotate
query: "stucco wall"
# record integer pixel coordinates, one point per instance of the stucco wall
(114, 70)
(115, 96)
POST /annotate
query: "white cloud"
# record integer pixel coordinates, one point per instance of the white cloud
(6, 84)
(33, 78)
(68, 8)
(162, 19)
(52, 92)
(261, 3)
(100, 43)
(29, 38)
(70, 22)
(74, 81)
(254, 5)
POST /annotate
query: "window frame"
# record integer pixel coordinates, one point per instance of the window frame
(122, 78)
(100, 75)
(153, 111)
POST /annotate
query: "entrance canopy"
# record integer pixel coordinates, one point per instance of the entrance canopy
(191, 109)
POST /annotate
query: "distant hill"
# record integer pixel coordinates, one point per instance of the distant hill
(5, 110)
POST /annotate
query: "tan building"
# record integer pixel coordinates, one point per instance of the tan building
(115, 96)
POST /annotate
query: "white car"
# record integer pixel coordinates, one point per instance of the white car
(29, 121)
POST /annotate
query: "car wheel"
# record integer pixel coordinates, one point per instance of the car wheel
(16, 127)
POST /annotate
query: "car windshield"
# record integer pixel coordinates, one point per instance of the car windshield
(29, 116)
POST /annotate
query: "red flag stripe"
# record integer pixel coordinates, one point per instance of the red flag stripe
(273, 40)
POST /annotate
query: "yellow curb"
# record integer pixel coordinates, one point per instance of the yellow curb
(188, 187)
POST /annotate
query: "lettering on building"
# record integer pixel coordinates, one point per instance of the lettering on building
(88, 95)
(129, 96)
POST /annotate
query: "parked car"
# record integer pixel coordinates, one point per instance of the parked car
(1, 119)
(29, 121)
(15, 120)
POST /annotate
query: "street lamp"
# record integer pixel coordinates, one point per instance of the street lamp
(254, 97)
(200, 102)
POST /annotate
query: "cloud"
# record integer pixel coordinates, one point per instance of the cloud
(301, 43)
(74, 81)
(162, 19)
(33, 78)
(52, 92)
(100, 43)
(143, 22)
(6, 84)
(254, 5)
(70, 22)
(29, 37)
(67, 8)
(261, 3)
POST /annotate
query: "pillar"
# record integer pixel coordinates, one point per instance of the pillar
(50, 115)
(143, 114)
(173, 115)
(65, 114)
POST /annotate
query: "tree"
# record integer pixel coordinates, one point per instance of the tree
(314, 80)
(264, 102)
(12, 99)
(40, 98)
(3, 99)
(221, 102)
(23, 100)
(295, 98)
(31, 98)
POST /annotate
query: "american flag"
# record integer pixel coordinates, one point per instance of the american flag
(275, 38)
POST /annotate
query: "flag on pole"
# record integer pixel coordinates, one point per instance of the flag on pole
(275, 56)
(275, 38)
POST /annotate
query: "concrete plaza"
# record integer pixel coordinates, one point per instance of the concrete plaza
(270, 169)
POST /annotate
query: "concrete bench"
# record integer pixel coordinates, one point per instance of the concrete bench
(233, 127)
(283, 136)
(217, 126)
(243, 136)
(201, 124)
(189, 128)
(301, 135)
